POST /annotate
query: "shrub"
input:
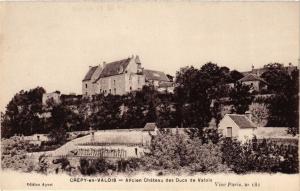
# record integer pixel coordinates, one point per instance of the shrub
(254, 156)
(167, 152)
(94, 166)
(101, 165)
(14, 155)
(204, 157)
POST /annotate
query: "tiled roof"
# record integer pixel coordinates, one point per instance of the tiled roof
(155, 75)
(114, 68)
(90, 73)
(166, 84)
(242, 121)
(252, 77)
(149, 127)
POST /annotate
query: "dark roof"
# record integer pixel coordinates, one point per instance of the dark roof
(241, 120)
(149, 127)
(90, 73)
(114, 68)
(252, 77)
(155, 75)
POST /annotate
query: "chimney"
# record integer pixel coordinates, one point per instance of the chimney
(252, 67)
(248, 115)
(137, 59)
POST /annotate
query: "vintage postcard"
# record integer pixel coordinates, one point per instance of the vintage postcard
(150, 95)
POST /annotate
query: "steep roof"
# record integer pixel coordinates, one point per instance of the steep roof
(90, 73)
(155, 75)
(241, 120)
(252, 77)
(114, 68)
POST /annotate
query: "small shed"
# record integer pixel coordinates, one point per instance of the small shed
(237, 126)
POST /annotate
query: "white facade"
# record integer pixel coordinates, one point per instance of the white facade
(229, 128)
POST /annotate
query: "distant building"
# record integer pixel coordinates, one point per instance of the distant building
(259, 71)
(120, 77)
(53, 97)
(155, 78)
(237, 126)
(256, 82)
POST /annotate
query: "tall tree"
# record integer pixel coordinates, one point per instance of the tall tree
(240, 97)
(21, 115)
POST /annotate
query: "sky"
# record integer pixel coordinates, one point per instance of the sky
(53, 44)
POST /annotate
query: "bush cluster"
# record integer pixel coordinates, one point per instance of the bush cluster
(260, 156)
(178, 151)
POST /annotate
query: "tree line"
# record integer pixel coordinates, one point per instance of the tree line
(200, 94)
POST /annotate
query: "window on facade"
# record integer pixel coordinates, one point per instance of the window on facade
(130, 88)
(229, 131)
(110, 91)
(85, 85)
(115, 91)
(114, 82)
(100, 90)
(136, 151)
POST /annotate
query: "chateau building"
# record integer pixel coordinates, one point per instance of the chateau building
(120, 77)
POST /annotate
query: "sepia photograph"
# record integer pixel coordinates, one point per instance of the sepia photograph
(149, 95)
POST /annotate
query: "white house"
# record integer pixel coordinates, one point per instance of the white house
(256, 83)
(237, 126)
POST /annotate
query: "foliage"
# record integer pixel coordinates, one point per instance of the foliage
(106, 112)
(92, 167)
(175, 151)
(235, 76)
(204, 157)
(58, 123)
(13, 155)
(260, 113)
(21, 115)
(254, 156)
(167, 151)
(277, 77)
(166, 117)
(240, 97)
(43, 164)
